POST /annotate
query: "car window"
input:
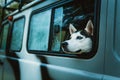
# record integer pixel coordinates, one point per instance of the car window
(49, 27)
(39, 31)
(4, 35)
(17, 34)
(74, 13)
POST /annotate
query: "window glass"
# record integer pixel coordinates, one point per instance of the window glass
(57, 29)
(17, 34)
(39, 31)
(4, 36)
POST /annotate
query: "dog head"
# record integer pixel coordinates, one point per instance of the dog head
(80, 41)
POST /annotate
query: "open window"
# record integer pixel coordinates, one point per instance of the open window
(49, 27)
(73, 13)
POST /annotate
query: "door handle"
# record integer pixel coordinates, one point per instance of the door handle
(1, 62)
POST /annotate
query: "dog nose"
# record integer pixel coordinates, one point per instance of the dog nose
(64, 44)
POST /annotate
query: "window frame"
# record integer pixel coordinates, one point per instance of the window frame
(96, 19)
(12, 31)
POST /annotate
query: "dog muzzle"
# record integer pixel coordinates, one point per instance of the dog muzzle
(65, 50)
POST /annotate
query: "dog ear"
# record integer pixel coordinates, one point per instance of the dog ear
(89, 27)
(72, 29)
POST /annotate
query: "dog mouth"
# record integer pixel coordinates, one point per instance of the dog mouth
(78, 51)
(65, 50)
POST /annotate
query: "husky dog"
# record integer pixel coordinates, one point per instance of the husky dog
(80, 41)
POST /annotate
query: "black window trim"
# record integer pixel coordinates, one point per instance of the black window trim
(60, 53)
(23, 16)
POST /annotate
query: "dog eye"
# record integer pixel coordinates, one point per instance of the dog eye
(79, 37)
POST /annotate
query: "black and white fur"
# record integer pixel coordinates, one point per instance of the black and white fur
(80, 41)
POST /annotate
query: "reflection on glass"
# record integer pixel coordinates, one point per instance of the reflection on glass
(58, 17)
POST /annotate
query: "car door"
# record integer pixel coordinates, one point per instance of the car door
(3, 40)
(57, 65)
(6, 72)
(112, 54)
